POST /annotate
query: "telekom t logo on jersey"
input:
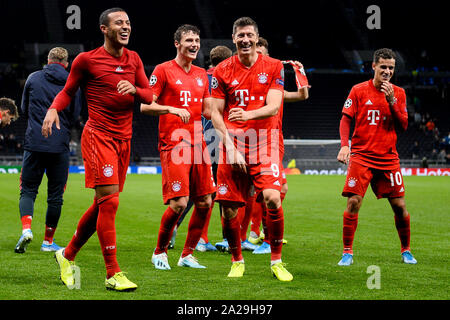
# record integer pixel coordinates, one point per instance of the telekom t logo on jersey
(373, 116)
(185, 96)
(242, 96)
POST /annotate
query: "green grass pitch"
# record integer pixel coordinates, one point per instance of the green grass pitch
(313, 227)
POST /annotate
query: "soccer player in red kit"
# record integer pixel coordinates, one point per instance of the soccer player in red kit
(247, 91)
(181, 96)
(377, 107)
(111, 77)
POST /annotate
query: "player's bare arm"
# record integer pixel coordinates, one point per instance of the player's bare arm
(303, 91)
(234, 157)
(206, 112)
(273, 103)
(155, 109)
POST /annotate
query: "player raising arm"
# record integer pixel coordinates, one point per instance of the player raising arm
(377, 107)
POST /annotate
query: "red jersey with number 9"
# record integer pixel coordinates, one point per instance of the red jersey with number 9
(374, 138)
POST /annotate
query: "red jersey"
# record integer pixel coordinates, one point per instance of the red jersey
(374, 138)
(247, 88)
(180, 89)
(97, 72)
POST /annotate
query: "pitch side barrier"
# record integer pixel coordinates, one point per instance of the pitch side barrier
(405, 172)
(294, 171)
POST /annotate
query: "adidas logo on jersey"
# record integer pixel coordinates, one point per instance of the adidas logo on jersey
(277, 183)
(119, 69)
(369, 102)
(402, 189)
(235, 82)
(178, 82)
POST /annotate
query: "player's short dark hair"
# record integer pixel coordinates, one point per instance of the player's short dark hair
(185, 28)
(8, 104)
(218, 54)
(383, 53)
(243, 22)
(104, 16)
(262, 42)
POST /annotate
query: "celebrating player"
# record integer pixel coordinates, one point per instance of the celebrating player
(377, 107)
(181, 96)
(45, 155)
(258, 211)
(216, 55)
(8, 111)
(111, 77)
(247, 95)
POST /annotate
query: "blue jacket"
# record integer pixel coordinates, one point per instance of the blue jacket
(40, 89)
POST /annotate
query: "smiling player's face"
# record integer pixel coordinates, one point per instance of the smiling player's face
(383, 69)
(189, 45)
(119, 28)
(245, 39)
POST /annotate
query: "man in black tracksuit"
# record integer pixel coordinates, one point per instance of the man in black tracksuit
(45, 155)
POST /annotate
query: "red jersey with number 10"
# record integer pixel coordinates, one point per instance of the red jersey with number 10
(180, 89)
(374, 138)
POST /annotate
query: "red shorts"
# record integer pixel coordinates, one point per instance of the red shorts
(184, 176)
(384, 183)
(105, 159)
(234, 186)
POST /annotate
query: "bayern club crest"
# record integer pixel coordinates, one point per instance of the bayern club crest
(262, 78)
(108, 170)
(176, 186)
(222, 189)
(352, 182)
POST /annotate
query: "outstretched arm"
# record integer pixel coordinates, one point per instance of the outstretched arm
(155, 109)
(64, 97)
(303, 86)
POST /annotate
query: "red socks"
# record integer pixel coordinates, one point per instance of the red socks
(205, 228)
(26, 222)
(275, 226)
(49, 233)
(168, 222)
(85, 229)
(403, 228)
(257, 212)
(195, 229)
(231, 230)
(106, 231)
(348, 231)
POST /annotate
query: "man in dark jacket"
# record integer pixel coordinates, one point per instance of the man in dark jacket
(45, 155)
